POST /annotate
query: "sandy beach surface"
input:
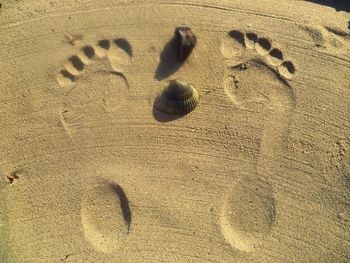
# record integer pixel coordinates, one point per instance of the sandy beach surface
(91, 171)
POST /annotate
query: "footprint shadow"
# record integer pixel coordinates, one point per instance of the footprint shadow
(124, 203)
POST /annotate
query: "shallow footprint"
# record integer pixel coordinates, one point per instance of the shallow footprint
(248, 215)
(106, 217)
(254, 83)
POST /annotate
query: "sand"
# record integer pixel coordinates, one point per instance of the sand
(259, 171)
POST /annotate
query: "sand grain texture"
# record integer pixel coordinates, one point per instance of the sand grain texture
(259, 171)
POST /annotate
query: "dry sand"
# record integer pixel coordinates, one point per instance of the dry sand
(258, 172)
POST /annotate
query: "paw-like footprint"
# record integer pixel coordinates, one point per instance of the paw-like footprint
(257, 79)
(94, 79)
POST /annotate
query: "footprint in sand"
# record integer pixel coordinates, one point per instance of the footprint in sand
(256, 69)
(85, 93)
(106, 216)
(92, 82)
(258, 73)
(328, 39)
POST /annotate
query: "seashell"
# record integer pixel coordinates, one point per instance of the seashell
(186, 41)
(178, 98)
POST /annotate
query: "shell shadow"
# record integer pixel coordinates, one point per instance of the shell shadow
(169, 61)
(165, 117)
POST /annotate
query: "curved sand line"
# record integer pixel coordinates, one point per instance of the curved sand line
(249, 212)
(106, 217)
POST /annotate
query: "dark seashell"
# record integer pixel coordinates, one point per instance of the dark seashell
(186, 41)
(178, 98)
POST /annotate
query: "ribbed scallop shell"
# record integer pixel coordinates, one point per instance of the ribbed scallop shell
(178, 98)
